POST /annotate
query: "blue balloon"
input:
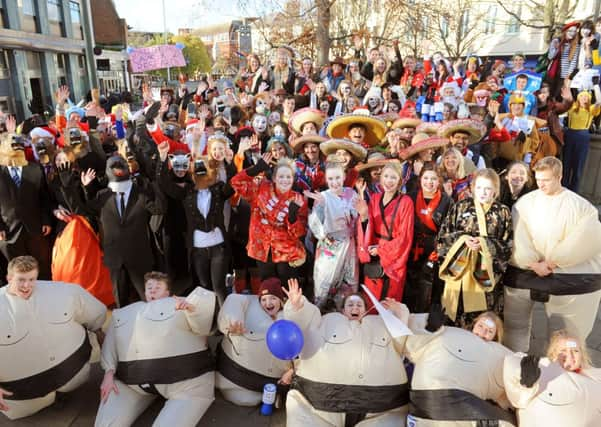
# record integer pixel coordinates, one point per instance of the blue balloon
(180, 45)
(285, 339)
(130, 49)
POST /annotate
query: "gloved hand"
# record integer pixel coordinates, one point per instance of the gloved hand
(521, 138)
(152, 112)
(530, 372)
(64, 174)
(435, 318)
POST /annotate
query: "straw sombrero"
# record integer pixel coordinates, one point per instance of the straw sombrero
(331, 145)
(406, 122)
(374, 160)
(388, 118)
(305, 115)
(299, 143)
(421, 142)
(375, 128)
(430, 128)
(474, 128)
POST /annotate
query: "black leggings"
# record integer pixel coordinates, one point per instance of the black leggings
(211, 265)
(281, 270)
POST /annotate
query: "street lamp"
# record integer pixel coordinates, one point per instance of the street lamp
(165, 39)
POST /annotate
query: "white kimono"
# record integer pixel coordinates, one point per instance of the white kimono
(45, 333)
(336, 270)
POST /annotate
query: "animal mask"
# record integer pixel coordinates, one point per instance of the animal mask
(77, 140)
(12, 150)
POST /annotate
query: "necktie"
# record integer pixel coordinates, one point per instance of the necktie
(15, 176)
(122, 203)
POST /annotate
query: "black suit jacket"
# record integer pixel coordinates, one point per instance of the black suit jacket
(28, 206)
(126, 241)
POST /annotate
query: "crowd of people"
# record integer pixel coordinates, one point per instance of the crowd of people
(448, 189)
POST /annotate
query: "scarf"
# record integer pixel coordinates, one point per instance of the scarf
(274, 208)
(424, 214)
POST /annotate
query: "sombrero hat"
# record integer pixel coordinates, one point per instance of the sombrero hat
(422, 142)
(474, 128)
(331, 145)
(375, 128)
(388, 118)
(430, 128)
(298, 143)
(305, 115)
(406, 122)
(374, 160)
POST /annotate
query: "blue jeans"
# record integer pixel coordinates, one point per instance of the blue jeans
(575, 150)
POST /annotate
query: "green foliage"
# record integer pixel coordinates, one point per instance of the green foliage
(195, 52)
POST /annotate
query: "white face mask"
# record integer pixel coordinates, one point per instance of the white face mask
(571, 33)
(260, 124)
(585, 32)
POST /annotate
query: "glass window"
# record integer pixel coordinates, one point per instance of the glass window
(490, 22)
(54, 10)
(28, 7)
(514, 21)
(75, 12)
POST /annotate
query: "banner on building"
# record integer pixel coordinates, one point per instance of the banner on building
(156, 57)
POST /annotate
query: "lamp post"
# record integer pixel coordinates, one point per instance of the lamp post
(165, 39)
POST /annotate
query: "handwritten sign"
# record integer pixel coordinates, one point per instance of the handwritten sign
(156, 57)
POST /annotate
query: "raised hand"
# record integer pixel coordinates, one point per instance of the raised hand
(294, 294)
(87, 177)
(299, 200)
(318, 197)
(362, 208)
(11, 124)
(267, 156)
(153, 112)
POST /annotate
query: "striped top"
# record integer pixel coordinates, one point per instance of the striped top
(568, 66)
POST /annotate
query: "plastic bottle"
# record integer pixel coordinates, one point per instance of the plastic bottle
(269, 393)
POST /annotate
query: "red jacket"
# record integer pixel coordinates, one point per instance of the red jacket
(270, 227)
(158, 136)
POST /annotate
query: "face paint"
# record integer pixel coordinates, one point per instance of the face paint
(180, 162)
(260, 124)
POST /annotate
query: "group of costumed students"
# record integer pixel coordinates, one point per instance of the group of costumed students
(447, 246)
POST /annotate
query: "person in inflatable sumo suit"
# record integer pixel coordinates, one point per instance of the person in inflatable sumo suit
(458, 375)
(44, 344)
(244, 362)
(158, 348)
(350, 372)
(561, 389)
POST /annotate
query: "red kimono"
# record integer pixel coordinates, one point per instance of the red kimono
(270, 228)
(393, 253)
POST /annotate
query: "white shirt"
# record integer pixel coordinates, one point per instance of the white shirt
(18, 169)
(206, 239)
(121, 187)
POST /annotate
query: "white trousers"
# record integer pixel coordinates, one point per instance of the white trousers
(187, 401)
(575, 313)
(300, 413)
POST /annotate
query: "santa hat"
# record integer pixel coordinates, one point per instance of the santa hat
(41, 132)
(272, 286)
(191, 123)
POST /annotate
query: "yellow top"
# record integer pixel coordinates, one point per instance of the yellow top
(581, 119)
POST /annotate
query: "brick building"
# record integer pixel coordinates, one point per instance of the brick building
(110, 36)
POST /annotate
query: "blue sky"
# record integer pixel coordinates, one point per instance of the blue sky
(147, 15)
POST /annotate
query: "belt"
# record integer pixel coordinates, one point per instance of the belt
(166, 370)
(352, 398)
(457, 405)
(39, 385)
(553, 284)
(240, 375)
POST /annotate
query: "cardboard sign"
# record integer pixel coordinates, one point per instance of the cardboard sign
(156, 57)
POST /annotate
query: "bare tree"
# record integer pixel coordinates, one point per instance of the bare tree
(545, 15)
(457, 26)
